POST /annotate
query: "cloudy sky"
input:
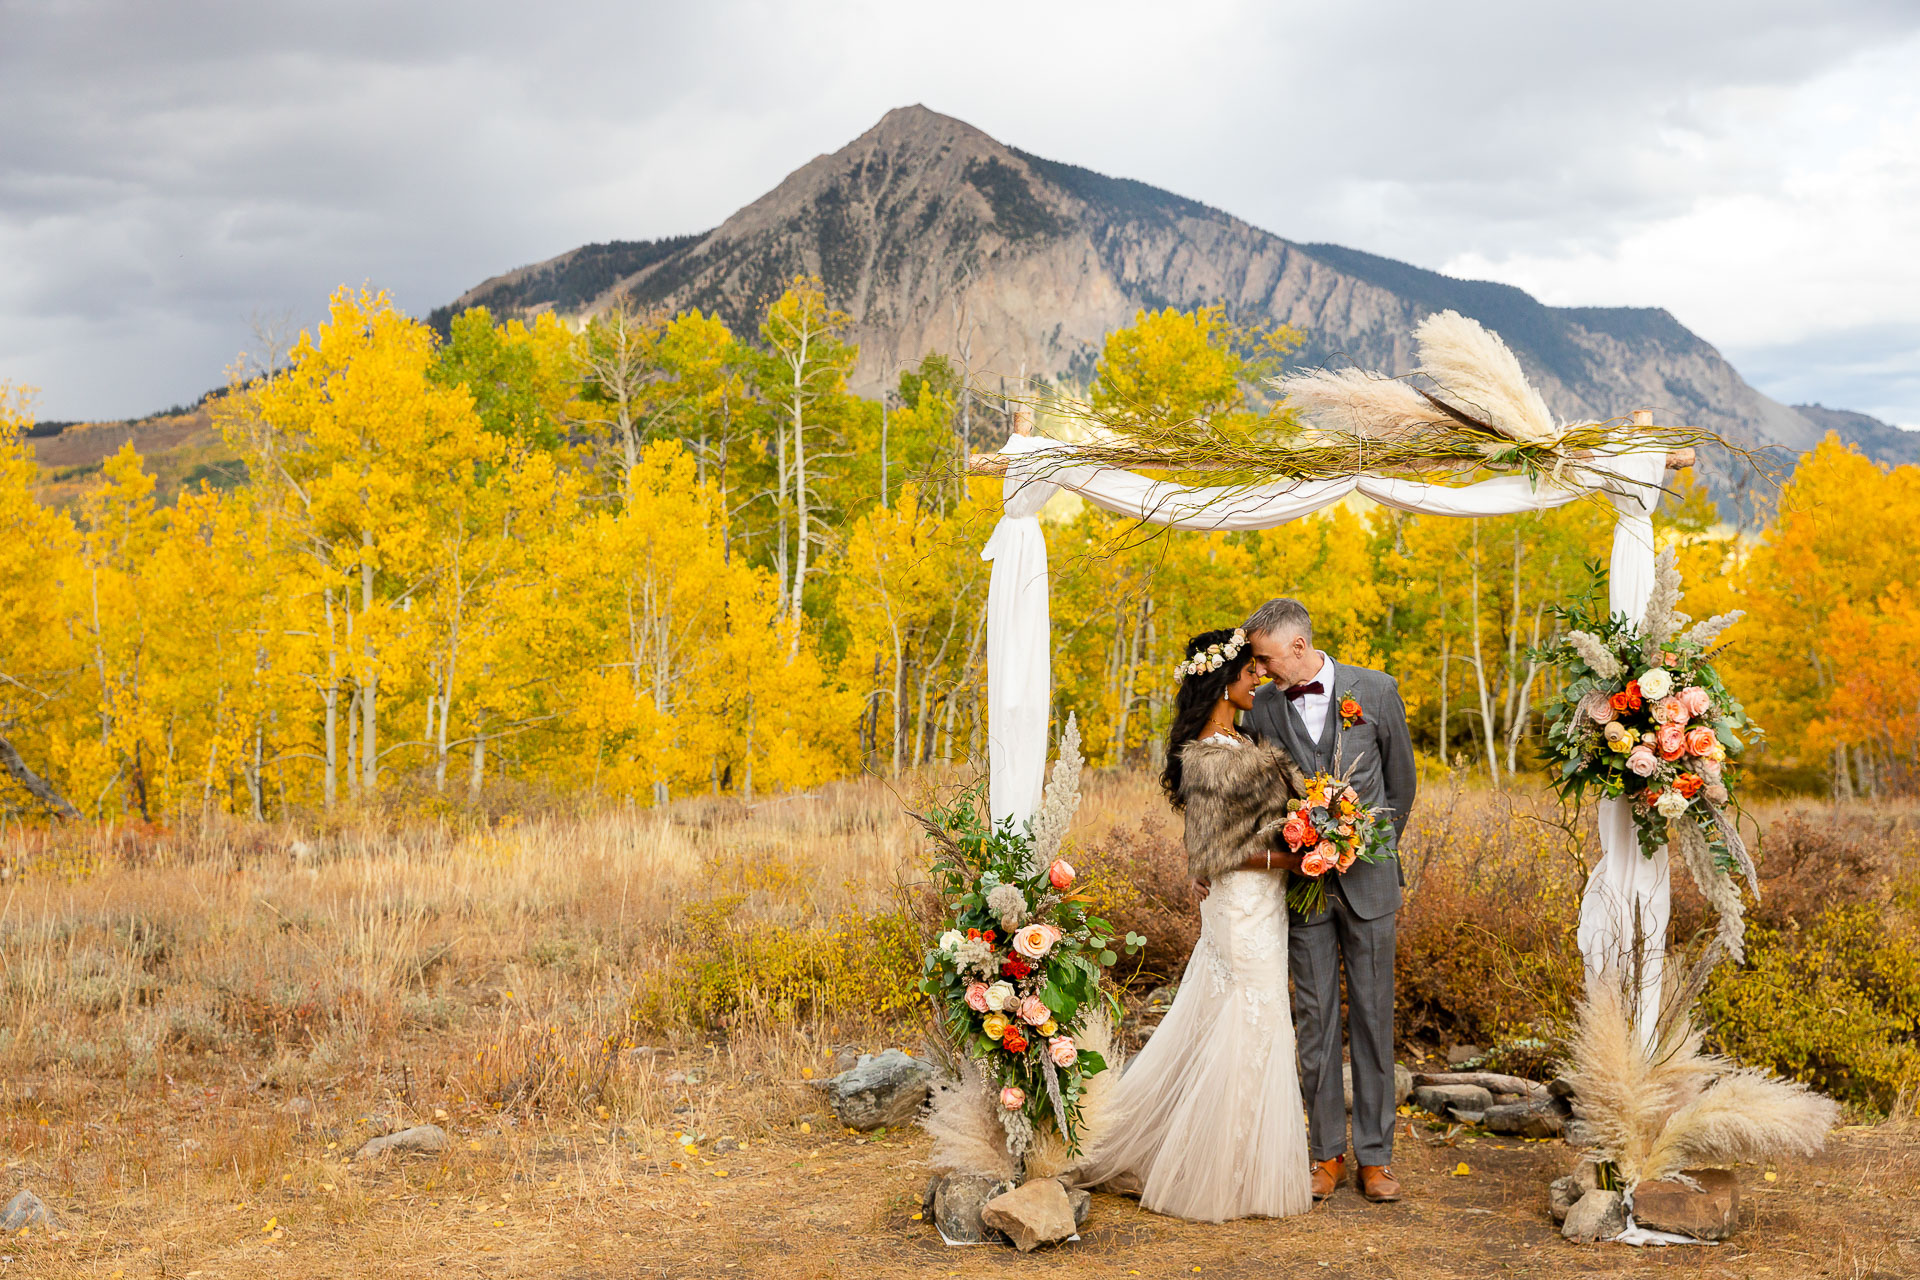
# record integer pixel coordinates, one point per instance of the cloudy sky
(171, 171)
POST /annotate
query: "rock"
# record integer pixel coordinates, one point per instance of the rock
(1448, 1099)
(27, 1210)
(1597, 1215)
(725, 1145)
(880, 1090)
(1493, 1082)
(1467, 1117)
(1561, 1087)
(422, 1139)
(1530, 1119)
(847, 1058)
(957, 1199)
(1579, 1134)
(1082, 1201)
(1562, 1195)
(1035, 1214)
(1462, 1053)
(1709, 1213)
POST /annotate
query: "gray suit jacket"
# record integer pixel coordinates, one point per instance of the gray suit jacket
(1376, 756)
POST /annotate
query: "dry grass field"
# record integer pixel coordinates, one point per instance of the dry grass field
(617, 1017)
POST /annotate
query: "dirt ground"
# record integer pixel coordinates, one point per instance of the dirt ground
(221, 1178)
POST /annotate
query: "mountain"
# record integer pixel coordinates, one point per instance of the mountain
(935, 237)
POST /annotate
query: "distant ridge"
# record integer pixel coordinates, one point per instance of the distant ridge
(935, 237)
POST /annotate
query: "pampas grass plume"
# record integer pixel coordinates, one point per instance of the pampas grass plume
(1748, 1115)
(1477, 371)
(1050, 1155)
(963, 1119)
(1356, 403)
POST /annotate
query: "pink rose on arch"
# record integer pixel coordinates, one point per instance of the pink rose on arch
(1708, 768)
(1701, 741)
(1641, 761)
(1033, 1012)
(1598, 708)
(1063, 1051)
(1013, 1097)
(977, 997)
(1671, 741)
(1696, 700)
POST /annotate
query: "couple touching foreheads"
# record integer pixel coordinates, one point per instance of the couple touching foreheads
(1207, 1121)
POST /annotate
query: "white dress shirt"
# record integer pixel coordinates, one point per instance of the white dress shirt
(1313, 706)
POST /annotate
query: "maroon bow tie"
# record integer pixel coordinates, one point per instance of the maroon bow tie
(1300, 691)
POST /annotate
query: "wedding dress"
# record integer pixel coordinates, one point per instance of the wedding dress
(1207, 1122)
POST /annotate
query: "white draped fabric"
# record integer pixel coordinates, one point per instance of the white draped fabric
(1019, 644)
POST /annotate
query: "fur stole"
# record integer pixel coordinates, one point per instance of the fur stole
(1236, 798)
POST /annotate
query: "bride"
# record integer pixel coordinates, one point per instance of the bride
(1207, 1122)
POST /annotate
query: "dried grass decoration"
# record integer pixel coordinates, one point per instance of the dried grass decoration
(1654, 1110)
(1015, 982)
(1467, 407)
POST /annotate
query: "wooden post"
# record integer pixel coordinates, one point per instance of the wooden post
(992, 464)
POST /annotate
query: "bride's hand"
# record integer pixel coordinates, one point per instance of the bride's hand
(1202, 887)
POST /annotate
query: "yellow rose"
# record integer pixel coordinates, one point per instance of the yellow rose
(1048, 1027)
(995, 1025)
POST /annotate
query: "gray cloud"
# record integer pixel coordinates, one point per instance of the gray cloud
(170, 170)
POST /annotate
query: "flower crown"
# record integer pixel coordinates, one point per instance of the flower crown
(1213, 656)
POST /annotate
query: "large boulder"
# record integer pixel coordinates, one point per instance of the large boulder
(880, 1090)
(955, 1201)
(1564, 1193)
(1451, 1099)
(1032, 1215)
(1597, 1215)
(1708, 1211)
(1402, 1084)
(422, 1139)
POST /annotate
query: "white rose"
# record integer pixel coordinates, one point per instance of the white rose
(1671, 804)
(1656, 684)
(999, 996)
(950, 940)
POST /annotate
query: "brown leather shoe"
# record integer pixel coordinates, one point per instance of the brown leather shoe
(1378, 1184)
(1327, 1175)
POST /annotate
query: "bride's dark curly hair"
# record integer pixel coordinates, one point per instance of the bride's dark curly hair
(1194, 703)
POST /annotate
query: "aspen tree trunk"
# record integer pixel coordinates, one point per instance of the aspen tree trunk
(800, 495)
(369, 703)
(1480, 674)
(331, 697)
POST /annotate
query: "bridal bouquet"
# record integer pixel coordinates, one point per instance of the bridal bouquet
(1019, 967)
(1643, 716)
(1331, 830)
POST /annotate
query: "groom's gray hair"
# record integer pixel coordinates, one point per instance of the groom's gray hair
(1281, 615)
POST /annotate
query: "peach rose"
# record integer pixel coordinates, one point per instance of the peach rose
(1063, 1051)
(1598, 708)
(1671, 741)
(1035, 940)
(1347, 859)
(1033, 1012)
(1696, 700)
(1641, 761)
(977, 997)
(1060, 875)
(1669, 710)
(1317, 863)
(1013, 1097)
(1014, 1041)
(1294, 832)
(1701, 741)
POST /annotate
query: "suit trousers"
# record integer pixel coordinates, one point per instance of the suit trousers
(1316, 953)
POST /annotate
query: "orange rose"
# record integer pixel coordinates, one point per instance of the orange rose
(1628, 699)
(1689, 784)
(1347, 859)
(1013, 1041)
(1317, 864)
(1350, 708)
(1702, 741)
(1295, 831)
(1310, 838)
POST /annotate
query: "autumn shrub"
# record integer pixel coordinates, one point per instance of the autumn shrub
(1136, 876)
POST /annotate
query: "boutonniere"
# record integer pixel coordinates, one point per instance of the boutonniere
(1349, 710)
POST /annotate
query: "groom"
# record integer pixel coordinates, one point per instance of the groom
(1317, 708)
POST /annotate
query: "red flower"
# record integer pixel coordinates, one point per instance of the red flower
(1013, 1041)
(1628, 699)
(1015, 967)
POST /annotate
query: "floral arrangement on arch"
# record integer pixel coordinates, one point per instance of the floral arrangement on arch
(1015, 979)
(1643, 716)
